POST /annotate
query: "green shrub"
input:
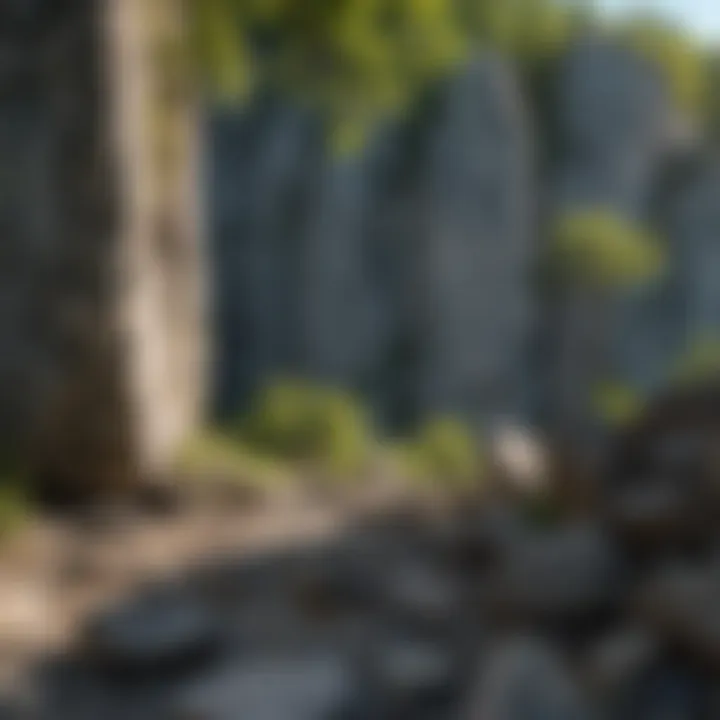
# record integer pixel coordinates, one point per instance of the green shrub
(617, 404)
(443, 453)
(214, 453)
(298, 421)
(14, 504)
(594, 247)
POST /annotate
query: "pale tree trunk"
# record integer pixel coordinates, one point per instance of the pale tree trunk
(125, 344)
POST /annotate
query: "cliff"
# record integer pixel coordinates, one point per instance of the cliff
(407, 273)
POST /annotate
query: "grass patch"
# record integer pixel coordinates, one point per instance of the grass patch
(217, 454)
(302, 423)
(443, 455)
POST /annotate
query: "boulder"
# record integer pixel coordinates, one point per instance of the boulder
(618, 662)
(560, 574)
(525, 679)
(159, 632)
(679, 604)
(413, 675)
(304, 688)
(421, 595)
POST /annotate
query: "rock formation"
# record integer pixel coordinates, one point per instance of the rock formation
(419, 248)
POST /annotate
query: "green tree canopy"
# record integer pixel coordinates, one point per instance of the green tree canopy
(680, 58)
(357, 60)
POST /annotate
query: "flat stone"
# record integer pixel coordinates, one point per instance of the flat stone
(289, 689)
(152, 633)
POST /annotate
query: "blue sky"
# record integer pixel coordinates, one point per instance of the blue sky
(701, 16)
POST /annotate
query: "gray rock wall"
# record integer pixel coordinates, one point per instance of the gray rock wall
(402, 272)
(618, 129)
(477, 247)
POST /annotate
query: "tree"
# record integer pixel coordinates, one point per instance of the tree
(359, 60)
(355, 61)
(679, 57)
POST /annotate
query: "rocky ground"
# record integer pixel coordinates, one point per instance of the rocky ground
(607, 607)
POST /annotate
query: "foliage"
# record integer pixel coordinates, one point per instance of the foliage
(699, 364)
(681, 60)
(14, 503)
(617, 404)
(443, 453)
(358, 60)
(215, 452)
(355, 60)
(302, 422)
(600, 249)
(531, 31)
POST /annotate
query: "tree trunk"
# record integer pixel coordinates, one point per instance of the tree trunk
(120, 354)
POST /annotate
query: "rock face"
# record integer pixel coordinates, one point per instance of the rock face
(616, 124)
(414, 254)
(262, 163)
(617, 127)
(477, 252)
(694, 226)
(683, 309)
(103, 307)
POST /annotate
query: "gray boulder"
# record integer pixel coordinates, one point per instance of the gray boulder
(524, 679)
(315, 688)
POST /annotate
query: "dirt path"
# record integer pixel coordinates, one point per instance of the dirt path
(54, 575)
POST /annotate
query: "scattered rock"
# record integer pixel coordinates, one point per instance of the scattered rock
(562, 573)
(317, 688)
(155, 633)
(420, 594)
(681, 605)
(617, 661)
(524, 679)
(414, 673)
(667, 692)
(650, 514)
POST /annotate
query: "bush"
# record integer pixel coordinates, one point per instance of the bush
(444, 452)
(616, 404)
(597, 248)
(297, 421)
(216, 453)
(14, 504)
